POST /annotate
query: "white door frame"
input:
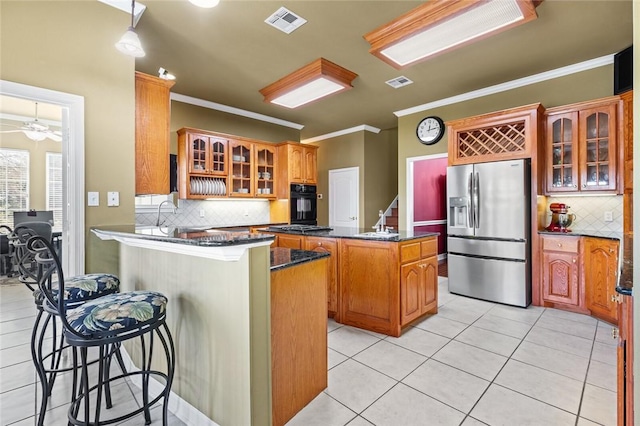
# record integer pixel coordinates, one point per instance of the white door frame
(73, 241)
(409, 193)
(346, 169)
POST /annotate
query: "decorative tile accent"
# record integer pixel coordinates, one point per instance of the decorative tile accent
(589, 212)
(216, 213)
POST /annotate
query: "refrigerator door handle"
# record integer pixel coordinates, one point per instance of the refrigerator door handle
(470, 205)
(476, 201)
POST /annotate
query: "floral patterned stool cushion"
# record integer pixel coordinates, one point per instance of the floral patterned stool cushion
(117, 313)
(82, 288)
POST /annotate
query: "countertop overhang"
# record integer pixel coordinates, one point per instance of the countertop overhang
(356, 233)
(208, 243)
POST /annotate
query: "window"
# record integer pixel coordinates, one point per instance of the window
(14, 183)
(150, 203)
(54, 186)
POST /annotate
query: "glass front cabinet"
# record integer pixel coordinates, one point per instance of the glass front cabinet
(581, 143)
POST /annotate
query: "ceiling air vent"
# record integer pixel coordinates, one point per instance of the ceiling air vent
(285, 20)
(398, 82)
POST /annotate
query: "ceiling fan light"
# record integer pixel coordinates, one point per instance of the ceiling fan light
(205, 3)
(35, 136)
(129, 44)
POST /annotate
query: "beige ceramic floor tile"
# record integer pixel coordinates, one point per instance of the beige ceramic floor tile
(603, 375)
(503, 325)
(420, 341)
(390, 359)
(560, 362)
(561, 341)
(476, 361)
(322, 411)
(575, 328)
(604, 353)
(408, 407)
(500, 344)
(349, 341)
(599, 405)
(443, 326)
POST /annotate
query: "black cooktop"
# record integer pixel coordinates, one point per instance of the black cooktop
(299, 228)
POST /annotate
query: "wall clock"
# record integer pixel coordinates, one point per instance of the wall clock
(430, 130)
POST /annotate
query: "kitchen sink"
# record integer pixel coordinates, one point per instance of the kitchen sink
(376, 235)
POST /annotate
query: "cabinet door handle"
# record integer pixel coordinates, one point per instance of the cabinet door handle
(614, 333)
(616, 298)
(559, 244)
(574, 260)
(584, 185)
(575, 186)
(611, 250)
(320, 244)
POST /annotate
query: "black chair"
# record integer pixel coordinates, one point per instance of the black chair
(79, 289)
(104, 323)
(32, 216)
(5, 250)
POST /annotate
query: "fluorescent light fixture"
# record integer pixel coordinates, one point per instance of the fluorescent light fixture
(129, 43)
(442, 25)
(205, 3)
(314, 81)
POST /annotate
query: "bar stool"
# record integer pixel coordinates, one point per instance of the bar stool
(78, 289)
(104, 323)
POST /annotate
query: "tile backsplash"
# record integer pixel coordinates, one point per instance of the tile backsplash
(216, 213)
(589, 212)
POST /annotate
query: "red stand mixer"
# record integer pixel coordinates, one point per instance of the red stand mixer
(561, 219)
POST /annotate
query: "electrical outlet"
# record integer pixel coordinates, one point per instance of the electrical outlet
(93, 199)
(201, 212)
(608, 216)
(319, 196)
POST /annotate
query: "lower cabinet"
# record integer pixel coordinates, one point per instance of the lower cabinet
(580, 274)
(625, 361)
(328, 245)
(561, 270)
(290, 241)
(417, 292)
(600, 276)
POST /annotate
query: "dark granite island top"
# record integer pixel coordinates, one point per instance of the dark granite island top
(210, 243)
(359, 234)
(285, 257)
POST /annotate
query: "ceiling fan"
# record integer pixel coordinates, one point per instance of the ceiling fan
(35, 130)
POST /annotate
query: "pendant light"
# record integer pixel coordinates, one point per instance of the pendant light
(129, 43)
(205, 3)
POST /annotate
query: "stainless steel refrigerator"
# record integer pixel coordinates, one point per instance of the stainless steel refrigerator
(488, 231)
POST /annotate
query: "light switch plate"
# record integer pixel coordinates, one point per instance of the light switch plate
(93, 199)
(608, 216)
(113, 199)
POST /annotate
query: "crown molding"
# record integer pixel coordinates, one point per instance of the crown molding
(361, 128)
(232, 110)
(510, 85)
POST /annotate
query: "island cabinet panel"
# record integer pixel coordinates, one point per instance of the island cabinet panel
(418, 281)
(601, 273)
(153, 115)
(370, 294)
(290, 241)
(298, 337)
(411, 278)
(328, 245)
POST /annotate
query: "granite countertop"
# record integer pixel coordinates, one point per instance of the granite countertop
(356, 234)
(201, 237)
(597, 234)
(285, 257)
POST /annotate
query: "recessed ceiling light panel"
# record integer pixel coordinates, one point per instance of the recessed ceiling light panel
(285, 20)
(441, 25)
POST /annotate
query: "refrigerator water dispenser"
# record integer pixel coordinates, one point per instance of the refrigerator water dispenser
(459, 211)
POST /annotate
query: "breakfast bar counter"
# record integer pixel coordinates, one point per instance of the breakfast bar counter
(220, 289)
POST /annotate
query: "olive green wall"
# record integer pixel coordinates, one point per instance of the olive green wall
(187, 115)
(376, 157)
(380, 174)
(586, 85)
(338, 153)
(37, 164)
(68, 46)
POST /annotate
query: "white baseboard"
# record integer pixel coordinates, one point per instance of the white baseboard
(178, 406)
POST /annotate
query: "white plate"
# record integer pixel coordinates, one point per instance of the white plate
(219, 184)
(216, 187)
(224, 188)
(192, 186)
(210, 184)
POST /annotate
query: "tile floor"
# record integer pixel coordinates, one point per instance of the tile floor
(474, 363)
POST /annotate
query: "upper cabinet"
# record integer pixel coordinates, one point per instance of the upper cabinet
(301, 161)
(582, 147)
(214, 165)
(153, 115)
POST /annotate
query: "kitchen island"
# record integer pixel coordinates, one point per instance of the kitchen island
(377, 281)
(220, 313)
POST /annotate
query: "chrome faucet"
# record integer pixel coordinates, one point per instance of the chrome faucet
(381, 226)
(160, 208)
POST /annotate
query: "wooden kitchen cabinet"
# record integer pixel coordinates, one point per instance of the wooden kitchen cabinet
(561, 280)
(601, 276)
(418, 282)
(153, 115)
(328, 245)
(203, 164)
(290, 241)
(301, 161)
(383, 285)
(241, 169)
(625, 360)
(265, 170)
(582, 147)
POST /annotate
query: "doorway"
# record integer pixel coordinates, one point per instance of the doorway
(426, 197)
(344, 195)
(72, 147)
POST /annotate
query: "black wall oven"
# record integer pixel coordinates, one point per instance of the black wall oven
(303, 204)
